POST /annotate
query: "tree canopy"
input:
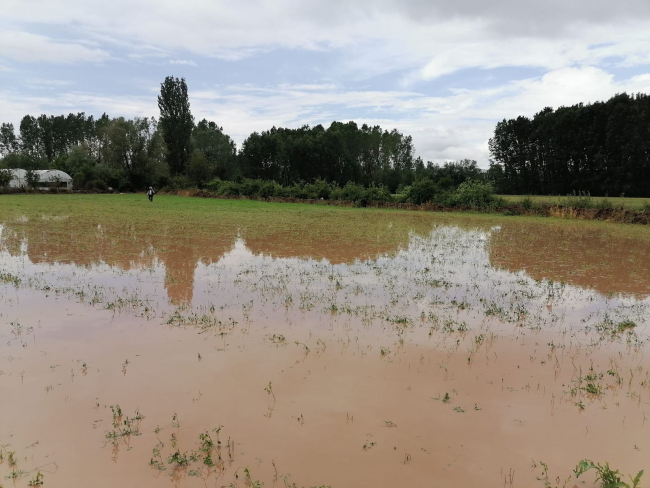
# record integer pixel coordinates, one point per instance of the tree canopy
(601, 148)
(176, 122)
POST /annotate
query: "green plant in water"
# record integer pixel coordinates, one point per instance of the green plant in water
(248, 481)
(269, 390)
(608, 326)
(178, 458)
(124, 426)
(607, 477)
(593, 389)
(156, 459)
(278, 339)
(207, 445)
(38, 480)
(305, 347)
(625, 325)
(11, 458)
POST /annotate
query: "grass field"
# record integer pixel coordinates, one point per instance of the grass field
(630, 203)
(175, 215)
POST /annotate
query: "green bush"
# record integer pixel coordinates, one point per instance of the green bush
(95, 185)
(474, 193)
(229, 188)
(318, 189)
(527, 203)
(199, 170)
(254, 188)
(378, 194)
(250, 188)
(604, 204)
(270, 189)
(578, 200)
(180, 182)
(5, 177)
(297, 190)
(422, 191)
(214, 185)
(353, 192)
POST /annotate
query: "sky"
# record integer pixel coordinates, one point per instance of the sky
(442, 71)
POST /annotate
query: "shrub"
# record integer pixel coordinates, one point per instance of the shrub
(297, 190)
(353, 192)
(318, 189)
(250, 188)
(578, 200)
(95, 185)
(604, 204)
(269, 189)
(378, 194)
(5, 177)
(180, 182)
(421, 191)
(474, 193)
(527, 203)
(32, 178)
(229, 188)
(214, 185)
(199, 170)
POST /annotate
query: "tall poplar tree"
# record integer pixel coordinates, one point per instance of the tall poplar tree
(176, 122)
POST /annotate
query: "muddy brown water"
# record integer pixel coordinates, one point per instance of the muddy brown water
(460, 357)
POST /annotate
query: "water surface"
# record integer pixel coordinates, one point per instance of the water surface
(412, 350)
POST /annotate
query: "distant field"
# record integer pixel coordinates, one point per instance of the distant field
(631, 203)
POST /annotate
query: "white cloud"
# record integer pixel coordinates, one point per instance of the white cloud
(450, 127)
(27, 47)
(15, 106)
(183, 62)
(574, 44)
(455, 126)
(45, 84)
(436, 36)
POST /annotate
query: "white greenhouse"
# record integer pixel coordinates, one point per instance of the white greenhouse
(47, 178)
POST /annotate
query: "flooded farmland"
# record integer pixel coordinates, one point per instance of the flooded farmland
(213, 345)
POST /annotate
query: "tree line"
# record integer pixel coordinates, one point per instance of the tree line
(601, 149)
(174, 151)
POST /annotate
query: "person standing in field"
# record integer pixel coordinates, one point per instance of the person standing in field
(150, 193)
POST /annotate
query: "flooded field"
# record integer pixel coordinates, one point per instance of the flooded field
(214, 343)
